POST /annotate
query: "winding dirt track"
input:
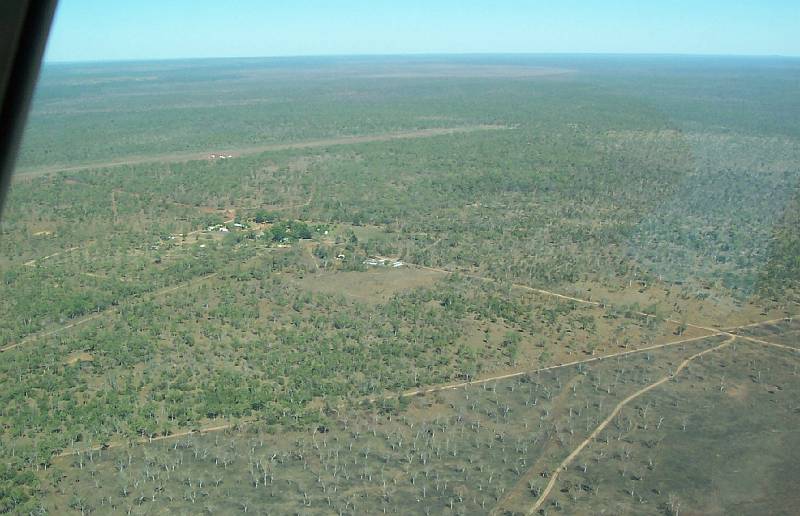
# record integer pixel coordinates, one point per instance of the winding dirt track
(177, 157)
(568, 460)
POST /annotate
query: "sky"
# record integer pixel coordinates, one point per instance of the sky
(102, 30)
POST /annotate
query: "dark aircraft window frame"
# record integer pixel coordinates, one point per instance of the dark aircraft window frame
(24, 27)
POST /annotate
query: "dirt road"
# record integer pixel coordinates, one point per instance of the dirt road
(764, 342)
(515, 374)
(515, 285)
(177, 157)
(710, 329)
(55, 331)
(32, 263)
(147, 440)
(96, 315)
(568, 460)
(760, 323)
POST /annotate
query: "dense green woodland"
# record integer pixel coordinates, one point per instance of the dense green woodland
(163, 295)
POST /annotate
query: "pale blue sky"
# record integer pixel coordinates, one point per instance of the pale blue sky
(163, 29)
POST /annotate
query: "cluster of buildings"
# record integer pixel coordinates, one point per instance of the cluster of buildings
(224, 229)
(383, 262)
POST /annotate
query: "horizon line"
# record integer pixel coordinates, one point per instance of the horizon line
(417, 54)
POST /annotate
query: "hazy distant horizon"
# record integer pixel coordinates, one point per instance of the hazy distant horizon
(432, 55)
